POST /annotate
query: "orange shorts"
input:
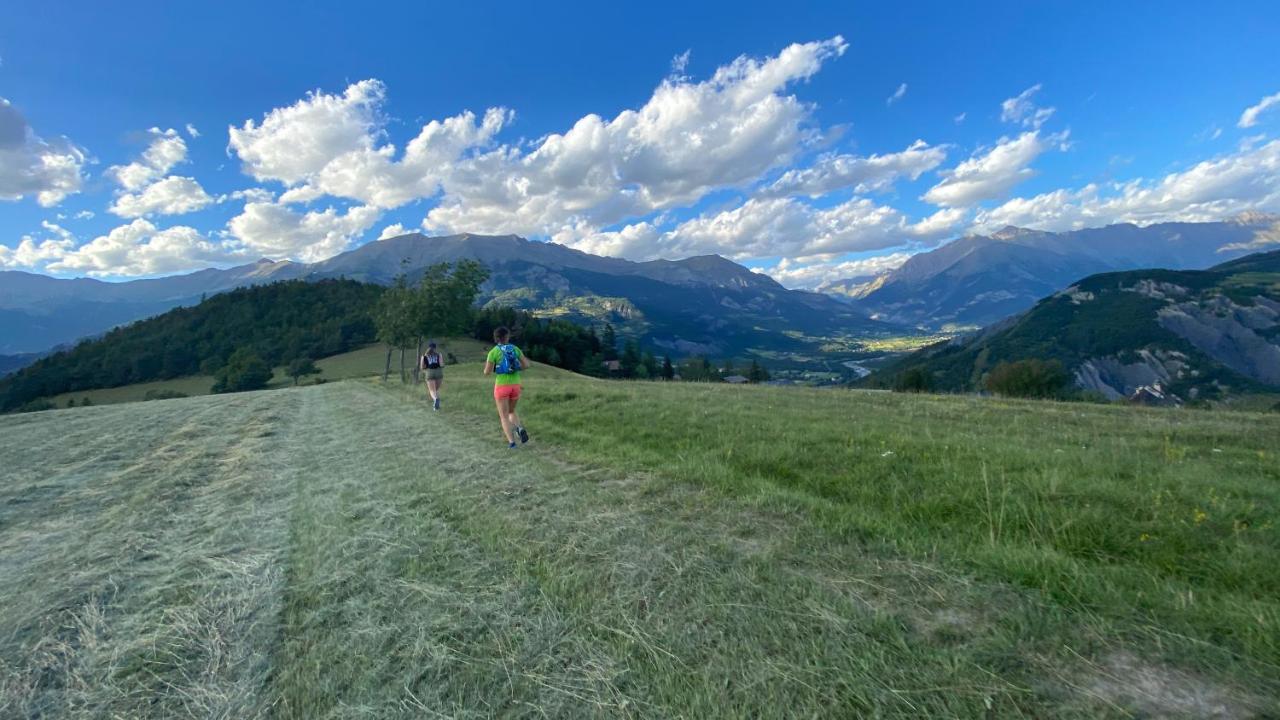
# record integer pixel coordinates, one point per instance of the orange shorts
(511, 392)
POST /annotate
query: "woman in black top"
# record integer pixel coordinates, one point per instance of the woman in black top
(433, 364)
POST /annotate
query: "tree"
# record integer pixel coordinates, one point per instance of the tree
(757, 373)
(71, 402)
(1032, 378)
(395, 322)
(244, 371)
(630, 359)
(609, 342)
(650, 365)
(914, 380)
(301, 367)
(668, 370)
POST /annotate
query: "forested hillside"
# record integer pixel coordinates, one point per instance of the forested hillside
(279, 322)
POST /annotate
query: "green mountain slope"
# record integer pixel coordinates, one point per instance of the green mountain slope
(1198, 334)
(280, 322)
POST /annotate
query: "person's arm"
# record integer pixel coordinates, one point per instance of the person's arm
(488, 367)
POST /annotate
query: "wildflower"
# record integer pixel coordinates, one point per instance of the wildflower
(1144, 537)
(1200, 516)
(886, 453)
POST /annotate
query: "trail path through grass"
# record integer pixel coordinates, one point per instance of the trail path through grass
(342, 551)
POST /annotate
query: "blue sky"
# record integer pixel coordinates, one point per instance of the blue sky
(811, 140)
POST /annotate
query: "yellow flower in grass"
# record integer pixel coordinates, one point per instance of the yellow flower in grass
(1144, 537)
(1200, 516)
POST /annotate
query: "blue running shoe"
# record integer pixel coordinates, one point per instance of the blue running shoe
(437, 404)
(512, 446)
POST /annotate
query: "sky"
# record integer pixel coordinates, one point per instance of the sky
(811, 141)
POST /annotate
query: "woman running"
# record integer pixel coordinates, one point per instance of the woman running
(506, 361)
(433, 365)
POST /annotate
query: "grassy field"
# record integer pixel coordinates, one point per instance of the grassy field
(365, 362)
(656, 551)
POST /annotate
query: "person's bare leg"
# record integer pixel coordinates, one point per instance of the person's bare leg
(512, 417)
(433, 387)
(503, 411)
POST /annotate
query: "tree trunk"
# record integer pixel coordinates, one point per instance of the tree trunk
(417, 360)
(402, 375)
(387, 371)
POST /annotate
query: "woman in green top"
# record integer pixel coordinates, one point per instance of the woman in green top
(506, 361)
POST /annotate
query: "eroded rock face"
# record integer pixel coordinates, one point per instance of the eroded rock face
(1116, 379)
(1229, 333)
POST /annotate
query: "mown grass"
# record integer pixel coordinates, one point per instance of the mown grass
(656, 551)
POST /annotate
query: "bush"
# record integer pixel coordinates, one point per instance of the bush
(244, 371)
(915, 380)
(163, 395)
(36, 406)
(1028, 379)
(301, 367)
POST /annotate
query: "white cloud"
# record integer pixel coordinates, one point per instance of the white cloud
(815, 275)
(330, 144)
(192, 131)
(30, 165)
(863, 174)
(395, 230)
(84, 215)
(897, 95)
(173, 195)
(680, 62)
(983, 177)
(138, 248)
(687, 140)
(770, 227)
(960, 118)
(166, 150)
(1249, 117)
(1022, 110)
(1211, 190)
(275, 231)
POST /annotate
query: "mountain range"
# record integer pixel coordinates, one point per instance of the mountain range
(978, 280)
(698, 305)
(1169, 334)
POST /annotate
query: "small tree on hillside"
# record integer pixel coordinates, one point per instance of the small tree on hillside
(301, 367)
(668, 370)
(757, 373)
(609, 342)
(914, 380)
(1032, 378)
(394, 320)
(244, 371)
(630, 359)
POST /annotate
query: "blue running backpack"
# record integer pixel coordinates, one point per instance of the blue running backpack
(510, 362)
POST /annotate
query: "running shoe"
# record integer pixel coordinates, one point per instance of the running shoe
(524, 436)
(512, 446)
(437, 404)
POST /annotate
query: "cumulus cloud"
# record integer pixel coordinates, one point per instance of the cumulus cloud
(394, 230)
(139, 248)
(332, 144)
(864, 174)
(192, 131)
(897, 95)
(1249, 117)
(1024, 111)
(167, 149)
(688, 139)
(770, 227)
(275, 231)
(995, 173)
(1211, 190)
(816, 275)
(30, 165)
(173, 195)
